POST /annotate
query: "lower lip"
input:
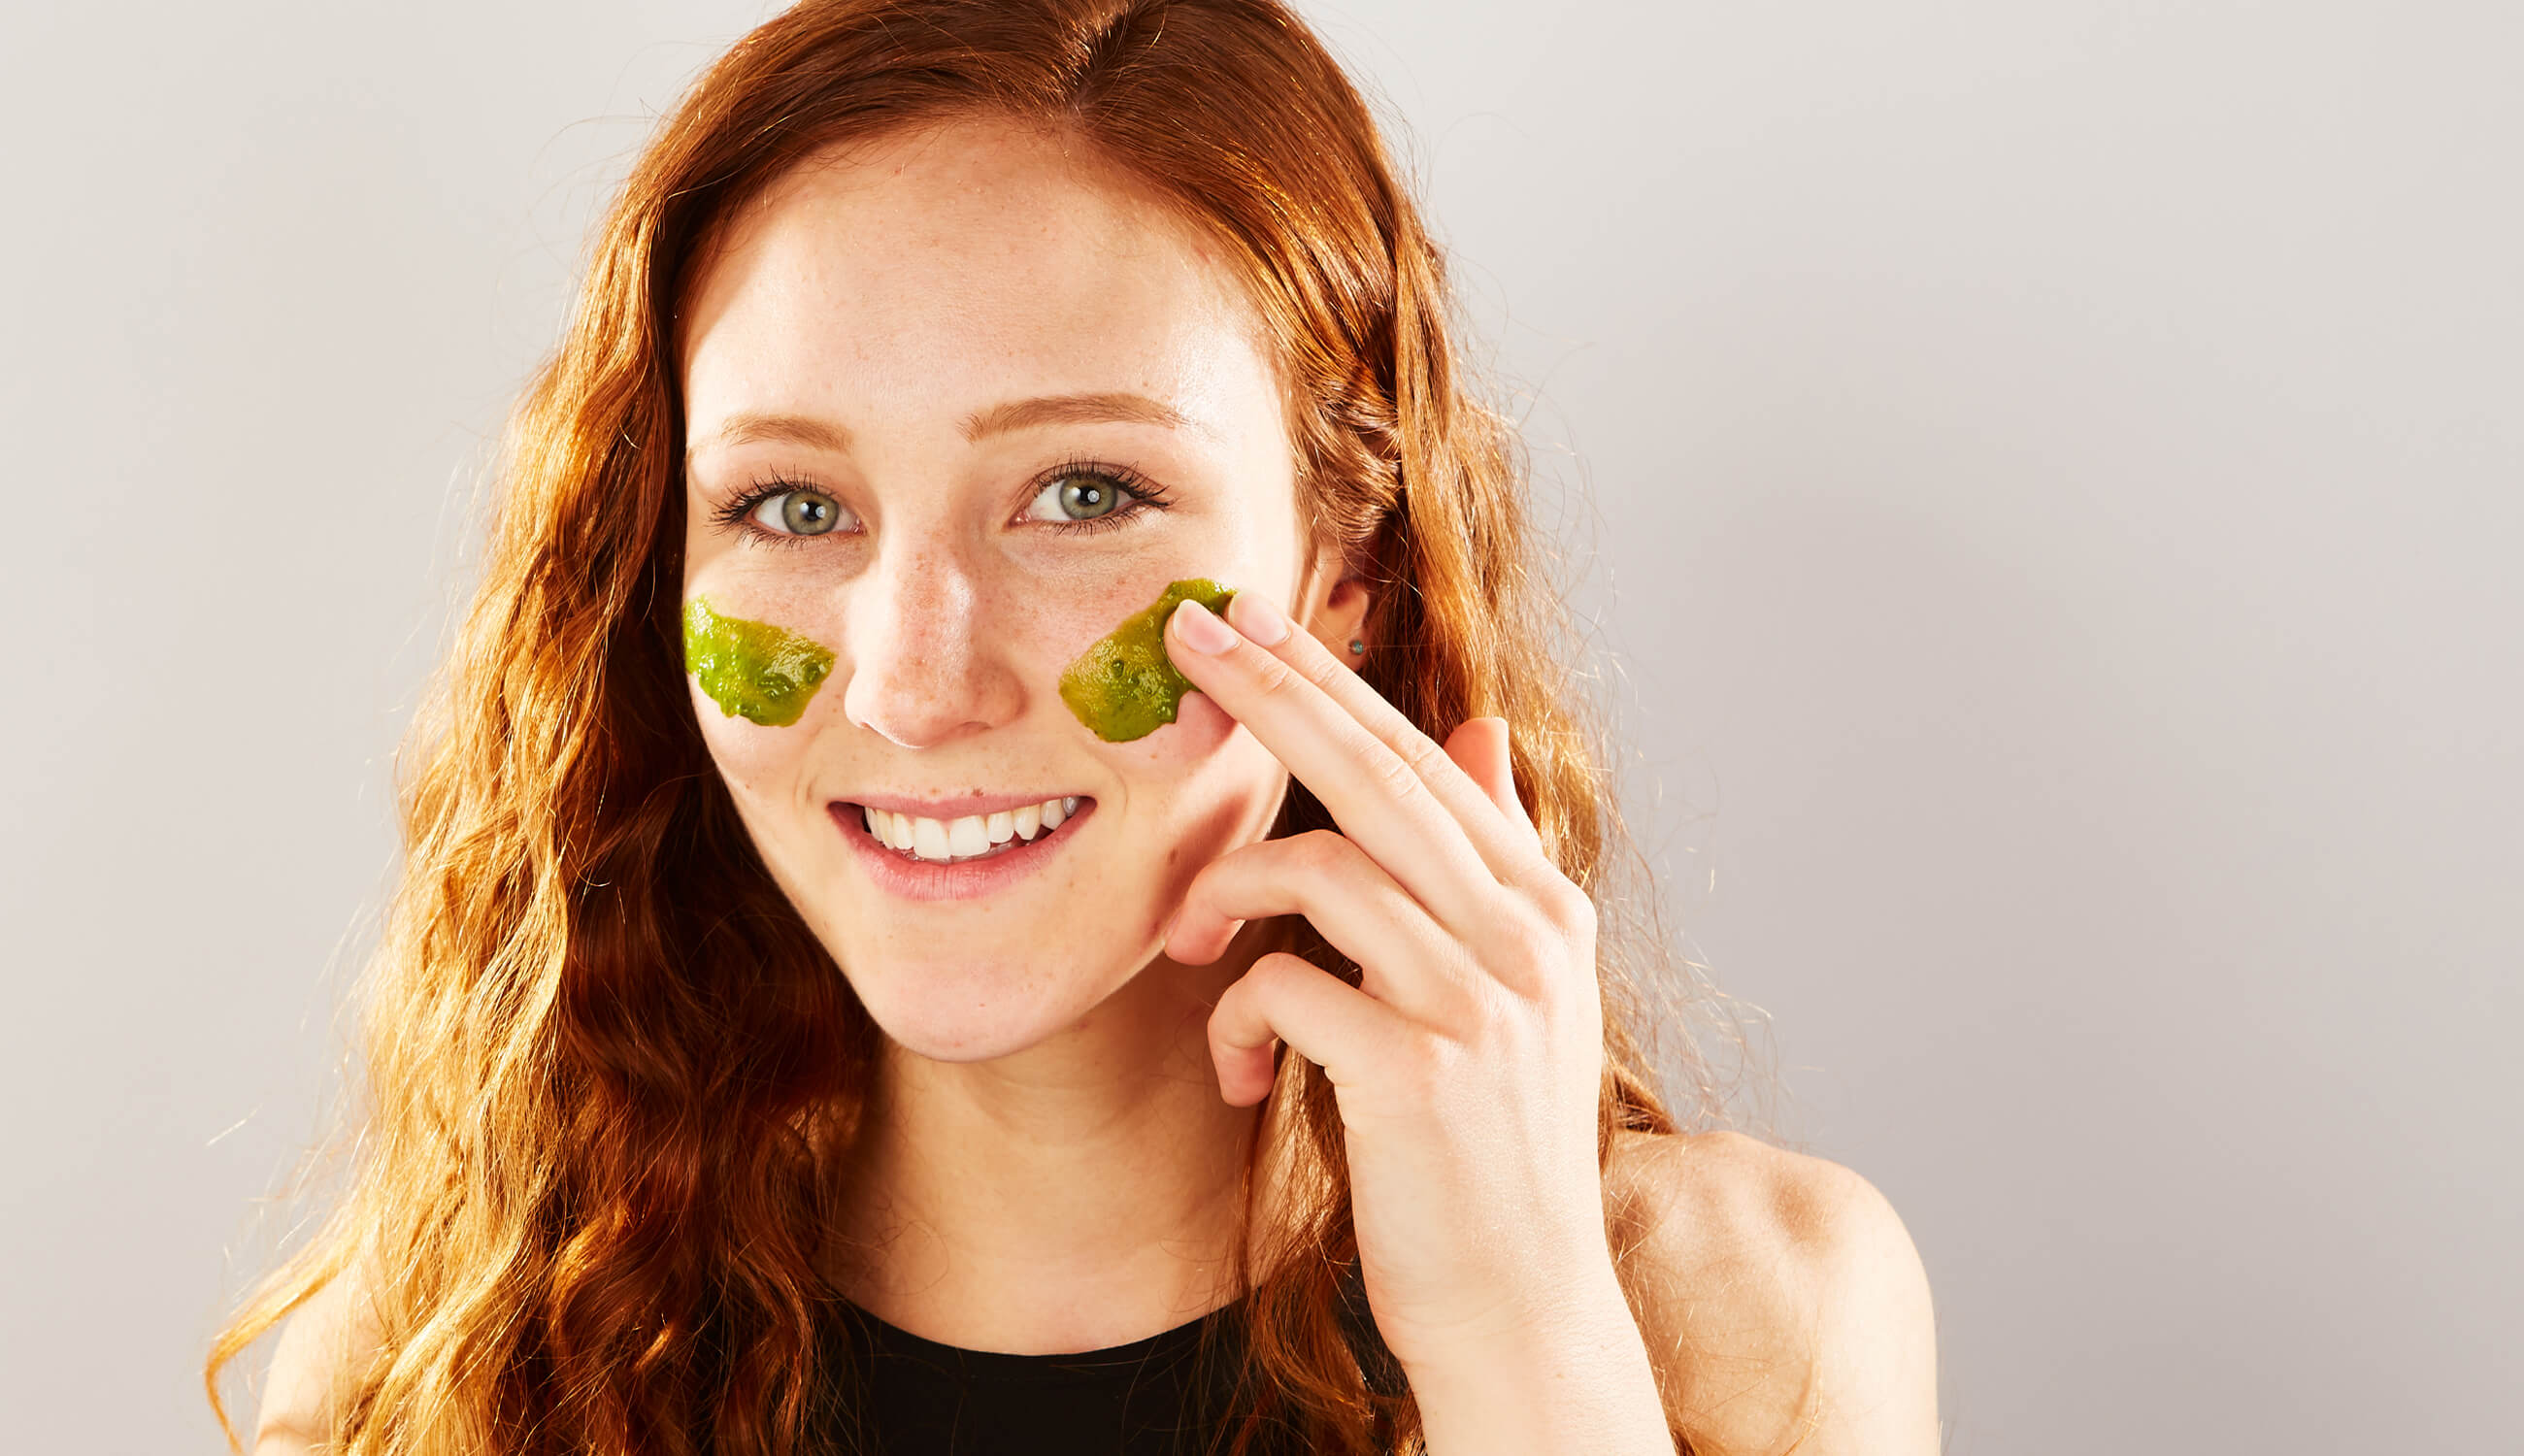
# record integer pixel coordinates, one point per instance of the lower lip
(916, 879)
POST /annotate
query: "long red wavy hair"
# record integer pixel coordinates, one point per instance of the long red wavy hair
(607, 1065)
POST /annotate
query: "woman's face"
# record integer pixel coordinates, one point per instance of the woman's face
(921, 382)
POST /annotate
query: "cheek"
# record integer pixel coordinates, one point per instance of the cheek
(1194, 788)
(1199, 786)
(1090, 610)
(1215, 789)
(1071, 616)
(756, 760)
(1188, 747)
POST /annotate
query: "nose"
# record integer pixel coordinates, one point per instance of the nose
(927, 662)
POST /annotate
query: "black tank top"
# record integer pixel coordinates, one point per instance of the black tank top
(1182, 1392)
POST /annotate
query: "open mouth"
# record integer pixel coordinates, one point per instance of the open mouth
(962, 841)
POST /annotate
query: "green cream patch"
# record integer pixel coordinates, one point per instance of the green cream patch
(751, 669)
(1124, 686)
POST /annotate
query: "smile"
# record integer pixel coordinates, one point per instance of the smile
(971, 837)
(920, 858)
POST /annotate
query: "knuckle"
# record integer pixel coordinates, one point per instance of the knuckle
(1486, 1016)
(1566, 905)
(1216, 882)
(1485, 980)
(1320, 853)
(1275, 678)
(1317, 669)
(1393, 775)
(1424, 1064)
(1421, 752)
(1246, 1002)
(1280, 971)
(1532, 943)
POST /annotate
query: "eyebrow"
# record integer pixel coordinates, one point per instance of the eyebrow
(998, 419)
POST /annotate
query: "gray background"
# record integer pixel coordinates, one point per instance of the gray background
(2056, 472)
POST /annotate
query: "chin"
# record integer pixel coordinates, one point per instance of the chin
(976, 1013)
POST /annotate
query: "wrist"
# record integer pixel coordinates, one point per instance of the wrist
(1574, 1375)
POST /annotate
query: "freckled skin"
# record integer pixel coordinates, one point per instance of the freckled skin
(1050, 1122)
(895, 291)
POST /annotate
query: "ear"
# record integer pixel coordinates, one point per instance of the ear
(1339, 611)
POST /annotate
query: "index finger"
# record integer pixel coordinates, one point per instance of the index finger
(1393, 790)
(1501, 831)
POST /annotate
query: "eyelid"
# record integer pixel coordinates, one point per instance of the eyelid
(738, 512)
(1140, 493)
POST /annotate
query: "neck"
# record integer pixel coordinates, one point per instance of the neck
(1083, 1193)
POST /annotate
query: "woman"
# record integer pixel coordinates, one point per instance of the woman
(894, 1063)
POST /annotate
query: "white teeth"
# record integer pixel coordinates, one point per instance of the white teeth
(969, 837)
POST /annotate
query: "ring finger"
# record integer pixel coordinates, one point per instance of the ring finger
(1406, 959)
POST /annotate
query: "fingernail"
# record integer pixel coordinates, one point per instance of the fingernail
(1201, 630)
(1258, 619)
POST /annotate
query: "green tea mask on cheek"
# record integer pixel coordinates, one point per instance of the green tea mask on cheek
(1124, 686)
(755, 669)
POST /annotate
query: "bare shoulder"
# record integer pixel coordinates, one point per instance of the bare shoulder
(1782, 1301)
(323, 1348)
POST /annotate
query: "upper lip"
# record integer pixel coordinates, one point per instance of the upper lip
(968, 805)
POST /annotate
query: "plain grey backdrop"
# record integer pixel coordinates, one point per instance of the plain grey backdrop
(2051, 470)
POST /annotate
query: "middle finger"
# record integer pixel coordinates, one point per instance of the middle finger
(1405, 959)
(1502, 833)
(1380, 800)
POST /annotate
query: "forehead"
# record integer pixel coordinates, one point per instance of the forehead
(934, 272)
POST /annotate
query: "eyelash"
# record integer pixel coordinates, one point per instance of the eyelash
(1138, 493)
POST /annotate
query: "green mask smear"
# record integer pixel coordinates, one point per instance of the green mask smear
(752, 670)
(1124, 686)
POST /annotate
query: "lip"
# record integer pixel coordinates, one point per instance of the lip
(913, 880)
(955, 808)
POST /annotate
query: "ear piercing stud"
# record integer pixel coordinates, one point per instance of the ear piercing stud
(1356, 646)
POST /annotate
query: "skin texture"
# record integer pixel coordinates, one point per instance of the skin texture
(1041, 1046)
(1780, 1296)
(1049, 1161)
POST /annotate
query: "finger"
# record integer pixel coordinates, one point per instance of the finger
(1379, 801)
(1348, 899)
(1512, 858)
(1325, 1020)
(1385, 800)
(1480, 748)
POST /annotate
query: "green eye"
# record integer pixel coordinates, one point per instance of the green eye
(1085, 497)
(805, 513)
(780, 511)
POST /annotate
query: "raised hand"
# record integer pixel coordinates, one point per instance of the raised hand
(1467, 1062)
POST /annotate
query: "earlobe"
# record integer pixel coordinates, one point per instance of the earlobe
(1340, 624)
